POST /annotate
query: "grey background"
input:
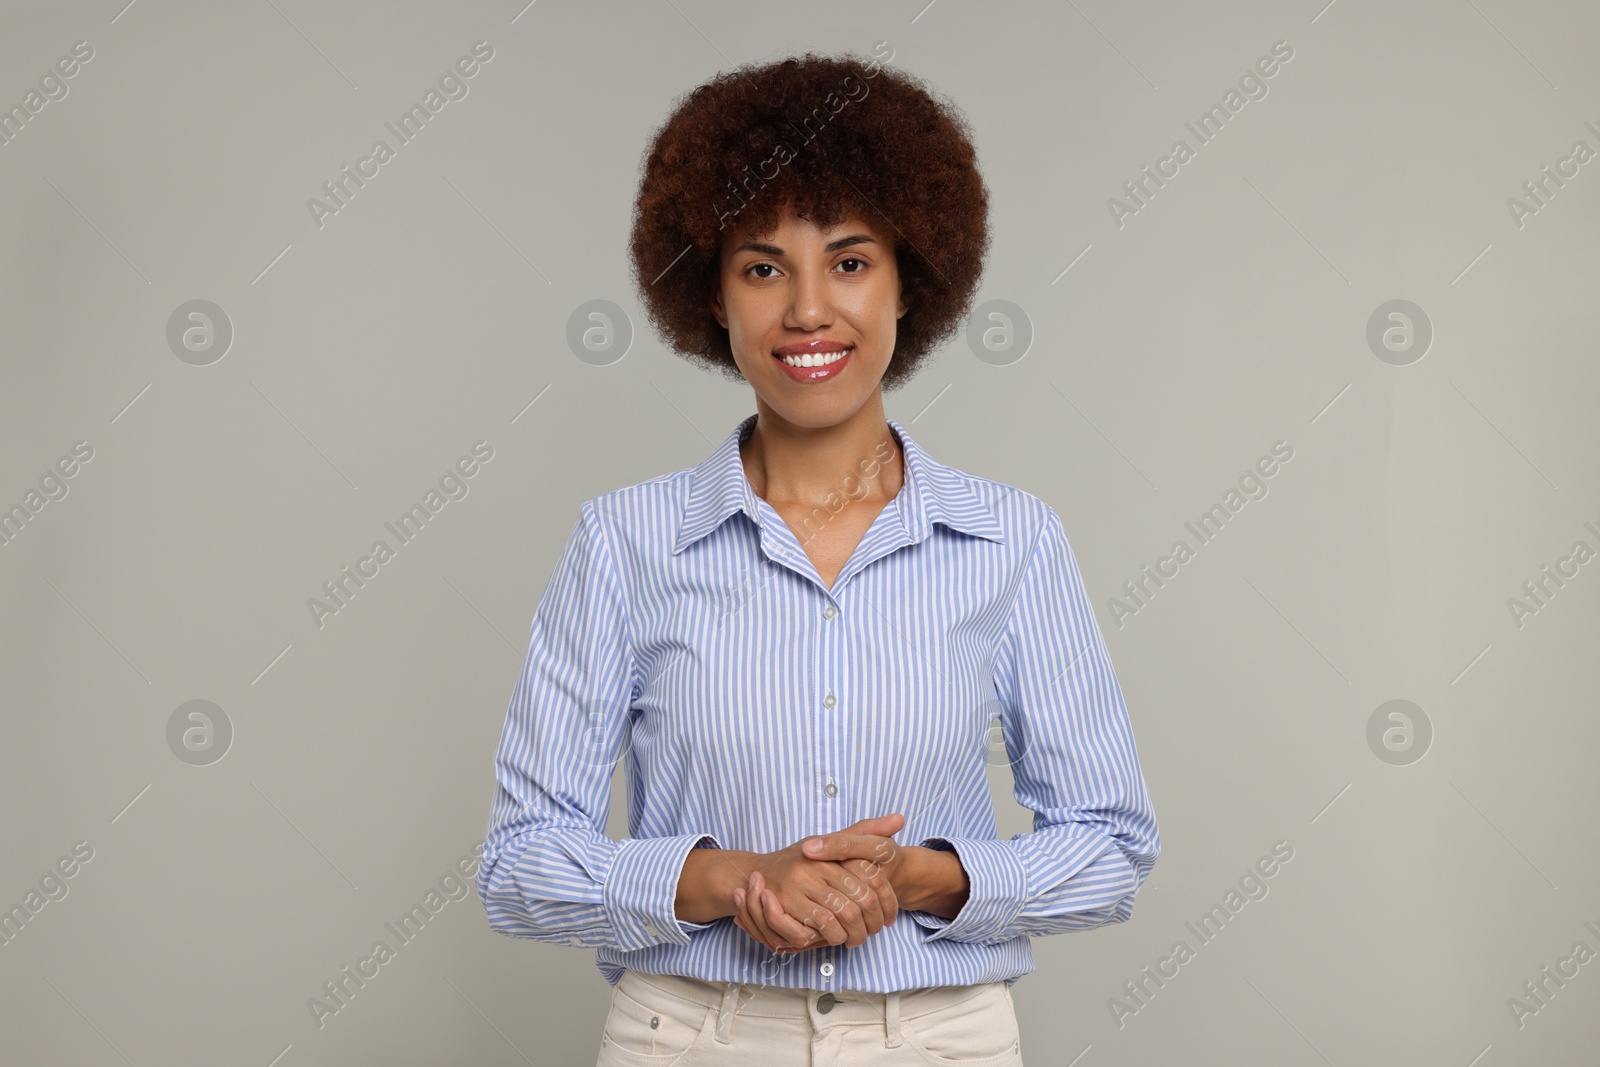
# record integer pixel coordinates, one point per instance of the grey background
(431, 312)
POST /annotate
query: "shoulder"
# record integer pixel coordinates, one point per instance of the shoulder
(1023, 516)
(643, 518)
(664, 490)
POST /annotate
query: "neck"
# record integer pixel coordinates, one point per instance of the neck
(858, 459)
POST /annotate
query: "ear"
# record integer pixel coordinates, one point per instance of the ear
(717, 310)
(904, 307)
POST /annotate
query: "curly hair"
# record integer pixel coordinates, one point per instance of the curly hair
(828, 137)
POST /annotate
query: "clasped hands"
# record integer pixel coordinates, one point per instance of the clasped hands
(837, 888)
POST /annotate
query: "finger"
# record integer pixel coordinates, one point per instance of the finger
(881, 825)
(741, 914)
(860, 894)
(800, 923)
(847, 912)
(788, 933)
(807, 926)
(878, 882)
(799, 927)
(756, 931)
(877, 885)
(844, 846)
(755, 908)
(884, 825)
(844, 925)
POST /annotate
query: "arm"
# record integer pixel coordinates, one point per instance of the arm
(1094, 836)
(708, 881)
(932, 881)
(548, 872)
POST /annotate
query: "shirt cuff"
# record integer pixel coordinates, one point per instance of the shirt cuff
(641, 890)
(997, 886)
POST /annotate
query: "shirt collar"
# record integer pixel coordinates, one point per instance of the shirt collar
(932, 493)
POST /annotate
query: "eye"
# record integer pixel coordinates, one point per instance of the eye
(758, 266)
(853, 259)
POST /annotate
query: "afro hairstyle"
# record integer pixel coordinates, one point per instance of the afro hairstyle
(828, 137)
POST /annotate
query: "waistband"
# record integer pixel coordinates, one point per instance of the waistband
(842, 1008)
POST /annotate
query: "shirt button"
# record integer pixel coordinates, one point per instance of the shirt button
(828, 701)
(833, 791)
(829, 612)
(651, 930)
(827, 972)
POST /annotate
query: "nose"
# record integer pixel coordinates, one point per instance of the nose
(809, 305)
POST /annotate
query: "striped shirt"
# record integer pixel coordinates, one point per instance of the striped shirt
(686, 632)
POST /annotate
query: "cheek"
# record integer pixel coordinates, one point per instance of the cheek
(873, 313)
(749, 317)
(739, 325)
(888, 322)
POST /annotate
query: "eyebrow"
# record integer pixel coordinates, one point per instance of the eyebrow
(833, 246)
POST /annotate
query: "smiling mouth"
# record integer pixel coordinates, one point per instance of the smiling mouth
(803, 360)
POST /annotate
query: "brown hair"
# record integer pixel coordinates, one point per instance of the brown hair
(828, 137)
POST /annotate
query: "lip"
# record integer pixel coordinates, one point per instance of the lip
(802, 347)
(810, 375)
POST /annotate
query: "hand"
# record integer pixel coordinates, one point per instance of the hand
(841, 900)
(858, 903)
(761, 916)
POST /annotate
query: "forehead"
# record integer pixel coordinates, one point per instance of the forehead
(791, 231)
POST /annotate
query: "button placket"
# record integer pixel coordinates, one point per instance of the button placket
(830, 732)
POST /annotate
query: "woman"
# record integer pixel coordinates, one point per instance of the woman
(800, 645)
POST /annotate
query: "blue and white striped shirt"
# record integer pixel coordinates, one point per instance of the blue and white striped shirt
(685, 630)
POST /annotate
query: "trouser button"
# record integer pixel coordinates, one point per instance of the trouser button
(826, 1002)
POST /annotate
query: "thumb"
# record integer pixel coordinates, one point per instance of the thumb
(839, 846)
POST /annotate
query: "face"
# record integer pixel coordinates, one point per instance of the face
(827, 299)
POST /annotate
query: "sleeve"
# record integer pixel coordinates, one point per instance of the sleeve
(1074, 765)
(548, 871)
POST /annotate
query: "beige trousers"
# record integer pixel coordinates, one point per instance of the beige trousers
(661, 1019)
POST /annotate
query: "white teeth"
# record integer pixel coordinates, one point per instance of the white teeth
(810, 359)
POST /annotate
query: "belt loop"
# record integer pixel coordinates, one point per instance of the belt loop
(725, 1013)
(891, 1019)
